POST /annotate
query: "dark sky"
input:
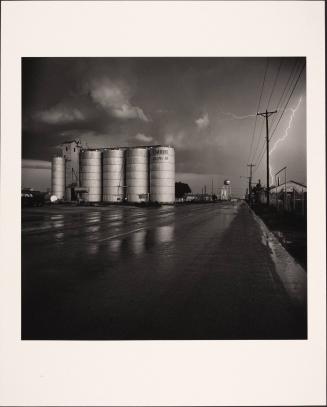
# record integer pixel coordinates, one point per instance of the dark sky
(205, 107)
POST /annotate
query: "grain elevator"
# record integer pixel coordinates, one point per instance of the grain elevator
(115, 174)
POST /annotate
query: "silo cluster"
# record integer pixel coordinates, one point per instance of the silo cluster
(91, 174)
(113, 169)
(137, 174)
(58, 177)
(162, 174)
(118, 174)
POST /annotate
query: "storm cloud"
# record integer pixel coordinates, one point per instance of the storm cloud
(205, 107)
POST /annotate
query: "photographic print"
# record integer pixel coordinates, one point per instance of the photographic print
(163, 203)
(163, 198)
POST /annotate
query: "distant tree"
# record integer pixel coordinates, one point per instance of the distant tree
(181, 189)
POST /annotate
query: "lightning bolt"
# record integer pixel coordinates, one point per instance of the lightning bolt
(236, 117)
(282, 138)
(271, 176)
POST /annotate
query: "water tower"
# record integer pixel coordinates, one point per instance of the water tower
(226, 191)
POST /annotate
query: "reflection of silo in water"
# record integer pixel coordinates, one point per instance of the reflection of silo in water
(137, 241)
(137, 174)
(93, 231)
(57, 221)
(91, 174)
(58, 177)
(164, 234)
(113, 175)
(162, 174)
(114, 246)
(92, 248)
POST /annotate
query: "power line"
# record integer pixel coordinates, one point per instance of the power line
(250, 181)
(256, 117)
(271, 93)
(262, 151)
(298, 78)
(266, 115)
(287, 88)
(290, 86)
(288, 80)
(261, 154)
(258, 144)
(275, 81)
(260, 157)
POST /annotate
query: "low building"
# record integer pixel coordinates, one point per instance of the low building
(291, 186)
(192, 197)
(290, 196)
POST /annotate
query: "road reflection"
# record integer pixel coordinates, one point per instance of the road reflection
(114, 246)
(92, 248)
(57, 221)
(137, 242)
(140, 241)
(93, 229)
(59, 236)
(164, 234)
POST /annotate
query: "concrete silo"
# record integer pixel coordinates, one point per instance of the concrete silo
(58, 177)
(113, 171)
(91, 174)
(162, 174)
(70, 151)
(137, 174)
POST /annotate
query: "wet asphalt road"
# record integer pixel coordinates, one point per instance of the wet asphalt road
(120, 272)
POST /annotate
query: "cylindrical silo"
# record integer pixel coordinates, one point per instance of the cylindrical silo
(91, 174)
(137, 175)
(162, 174)
(58, 177)
(113, 170)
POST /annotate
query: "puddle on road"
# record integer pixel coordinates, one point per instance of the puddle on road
(92, 229)
(59, 236)
(143, 240)
(114, 246)
(57, 221)
(164, 234)
(92, 249)
(93, 217)
(137, 242)
(282, 237)
(88, 234)
(56, 217)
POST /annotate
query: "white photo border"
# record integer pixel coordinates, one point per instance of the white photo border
(161, 372)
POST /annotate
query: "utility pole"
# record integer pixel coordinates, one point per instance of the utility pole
(267, 114)
(250, 180)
